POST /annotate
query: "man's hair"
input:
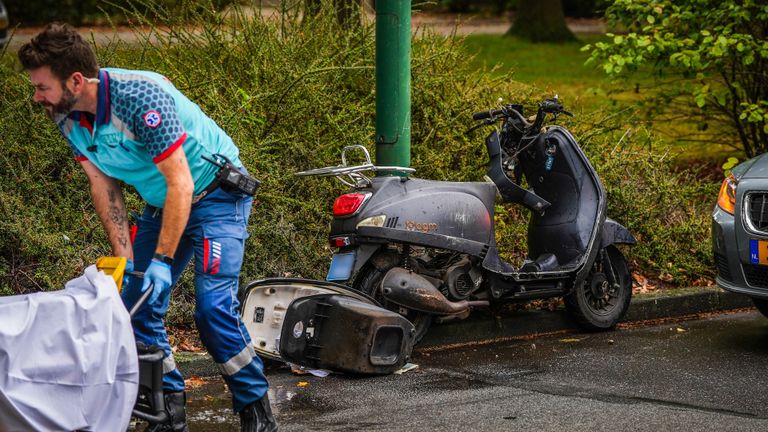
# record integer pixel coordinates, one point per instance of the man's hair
(60, 47)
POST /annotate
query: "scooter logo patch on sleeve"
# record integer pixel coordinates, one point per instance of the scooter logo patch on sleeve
(152, 119)
(212, 259)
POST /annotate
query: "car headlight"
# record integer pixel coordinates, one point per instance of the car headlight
(726, 200)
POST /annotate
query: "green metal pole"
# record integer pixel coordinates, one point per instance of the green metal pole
(393, 82)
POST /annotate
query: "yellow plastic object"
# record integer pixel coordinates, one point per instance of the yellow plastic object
(113, 266)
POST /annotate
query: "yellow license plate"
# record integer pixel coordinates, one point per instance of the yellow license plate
(758, 251)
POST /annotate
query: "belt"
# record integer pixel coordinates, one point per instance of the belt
(208, 189)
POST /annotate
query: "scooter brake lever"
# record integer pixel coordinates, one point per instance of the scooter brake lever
(479, 125)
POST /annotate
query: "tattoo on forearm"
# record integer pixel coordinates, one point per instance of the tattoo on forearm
(118, 217)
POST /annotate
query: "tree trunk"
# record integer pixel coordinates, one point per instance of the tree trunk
(312, 8)
(541, 21)
(348, 13)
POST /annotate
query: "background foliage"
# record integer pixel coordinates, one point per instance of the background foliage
(292, 93)
(77, 12)
(572, 8)
(710, 58)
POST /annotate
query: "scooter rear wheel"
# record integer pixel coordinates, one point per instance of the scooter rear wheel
(368, 281)
(603, 299)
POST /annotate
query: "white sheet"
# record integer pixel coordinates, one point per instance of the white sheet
(67, 359)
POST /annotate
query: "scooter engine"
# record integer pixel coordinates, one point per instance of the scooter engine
(462, 279)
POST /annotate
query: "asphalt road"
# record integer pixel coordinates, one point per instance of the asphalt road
(706, 375)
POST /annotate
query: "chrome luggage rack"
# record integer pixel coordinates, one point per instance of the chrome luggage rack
(355, 175)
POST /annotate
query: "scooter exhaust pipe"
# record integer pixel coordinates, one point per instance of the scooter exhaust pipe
(413, 291)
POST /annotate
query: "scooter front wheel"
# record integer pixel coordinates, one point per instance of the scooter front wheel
(603, 299)
(368, 281)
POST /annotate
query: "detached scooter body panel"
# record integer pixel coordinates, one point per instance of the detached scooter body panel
(322, 325)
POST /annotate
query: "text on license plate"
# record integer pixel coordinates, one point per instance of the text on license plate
(758, 251)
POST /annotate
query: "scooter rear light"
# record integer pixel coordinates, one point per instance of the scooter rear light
(340, 242)
(349, 204)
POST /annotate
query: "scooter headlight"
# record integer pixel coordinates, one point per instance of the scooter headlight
(373, 221)
(726, 200)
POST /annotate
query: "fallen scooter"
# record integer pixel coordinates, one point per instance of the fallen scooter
(426, 248)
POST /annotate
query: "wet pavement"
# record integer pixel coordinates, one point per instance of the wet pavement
(707, 375)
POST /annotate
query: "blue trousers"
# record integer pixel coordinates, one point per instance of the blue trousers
(215, 236)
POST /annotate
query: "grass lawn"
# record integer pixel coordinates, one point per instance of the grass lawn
(559, 69)
(552, 68)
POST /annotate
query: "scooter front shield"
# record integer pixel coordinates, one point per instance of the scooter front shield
(264, 304)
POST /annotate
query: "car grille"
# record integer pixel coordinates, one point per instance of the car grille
(722, 267)
(757, 211)
(756, 275)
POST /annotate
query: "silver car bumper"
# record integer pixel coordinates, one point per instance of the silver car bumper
(735, 272)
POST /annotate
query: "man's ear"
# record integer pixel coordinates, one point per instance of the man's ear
(78, 82)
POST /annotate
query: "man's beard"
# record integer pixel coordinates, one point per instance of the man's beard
(63, 107)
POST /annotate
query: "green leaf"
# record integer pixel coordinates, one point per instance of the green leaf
(701, 100)
(651, 19)
(730, 163)
(618, 40)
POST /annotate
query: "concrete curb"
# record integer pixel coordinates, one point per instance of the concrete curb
(669, 304)
(482, 327)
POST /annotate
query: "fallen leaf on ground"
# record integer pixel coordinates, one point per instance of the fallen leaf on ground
(571, 340)
(193, 382)
(703, 282)
(188, 347)
(302, 384)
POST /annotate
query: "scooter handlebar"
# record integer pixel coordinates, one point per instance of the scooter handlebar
(482, 115)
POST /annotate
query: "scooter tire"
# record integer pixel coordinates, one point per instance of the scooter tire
(594, 314)
(368, 281)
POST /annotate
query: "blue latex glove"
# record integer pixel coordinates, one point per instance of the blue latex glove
(128, 269)
(158, 273)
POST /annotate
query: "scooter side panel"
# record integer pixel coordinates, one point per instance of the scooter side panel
(427, 208)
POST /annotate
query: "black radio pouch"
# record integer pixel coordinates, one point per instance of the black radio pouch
(230, 178)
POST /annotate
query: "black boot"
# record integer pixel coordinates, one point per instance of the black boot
(177, 416)
(257, 417)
